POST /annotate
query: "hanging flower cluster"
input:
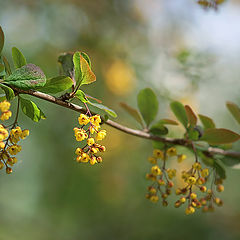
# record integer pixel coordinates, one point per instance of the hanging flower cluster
(194, 179)
(9, 137)
(89, 131)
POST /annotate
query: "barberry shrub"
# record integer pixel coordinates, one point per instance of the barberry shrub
(199, 184)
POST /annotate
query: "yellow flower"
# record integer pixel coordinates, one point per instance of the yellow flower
(101, 135)
(85, 158)
(6, 115)
(191, 180)
(152, 160)
(181, 158)
(95, 120)
(78, 151)
(24, 134)
(2, 145)
(83, 119)
(154, 198)
(4, 106)
(3, 133)
(155, 170)
(189, 210)
(205, 172)
(94, 150)
(90, 141)
(93, 161)
(1, 165)
(171, 173)
(80, 134)
(14, 149)
(158, 153)
(197, 166)
(172, 151)
(99, 159)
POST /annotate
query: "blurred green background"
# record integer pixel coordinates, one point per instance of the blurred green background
(180, 50)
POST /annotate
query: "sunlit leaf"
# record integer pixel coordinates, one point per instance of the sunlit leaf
(133, 112)
(30, 109)
(29, 76)
(192, 118)
(168, 122)
(148, 105)
(234, 110)
(207, 122)
(57, 84)
(104, 108)
(81, 96)
(18, 59)
(217, 136)
(8, 91)
(180, 112)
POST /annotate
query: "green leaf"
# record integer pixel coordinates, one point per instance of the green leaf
(104, 108)
(86, 57)
(133, 112)
(66, 61)
(18, 59)
(234, 110)
(148, 105)
(1, 40)
(31, 110)
(158, 129)
(230, 161)
(82, 70)
(158, 145)
(193, 134)
(29, 76)
(180, 112)
(1, 67)
(206, 160)
(207, 122)
(219, 169)
(192, 118)
(81, 96)
(167, 122)
(8, 91)
(57, 84)
(215, 136)
(7, 66)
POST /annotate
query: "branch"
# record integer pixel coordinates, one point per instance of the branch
(134, 132)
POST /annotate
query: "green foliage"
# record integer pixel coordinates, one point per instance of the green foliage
(57, 84)
(217, 136)
(81, 96)
(109, 111)
(30, 109)
(234, 110)
(219, 169)
(133, 112)
(207, 122)
(29, 76)
(18, 59)
(192, 118)
(180, 113)
(1, 67)
(148, 105)
(66, 61)
(7, 66)
(168, 122)
(158, 129)
(1, 40)
(8, 91)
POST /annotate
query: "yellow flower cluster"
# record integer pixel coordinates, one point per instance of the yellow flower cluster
(194, 178)
(9, 139)
(160, 175)
(87, 154)
(4, 108)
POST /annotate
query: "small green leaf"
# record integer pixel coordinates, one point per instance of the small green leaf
(18, 59)
(193, 134)
(1, 40)
(31, 110)
(148, 105)
(206, 160)
(230, 161)
(167, 122)
(66, 61)
(29, 76)
(57, 84)
(158, 129)
(217, 136)
(8, 91)
(104, 108)
(86, 57)
(180, 112)
(81, 96)
(192, 118)
(133, 112)
(234, 110)
(158, 145)
(7, 66)
(1, 67)
(219, 169)
(207, 122)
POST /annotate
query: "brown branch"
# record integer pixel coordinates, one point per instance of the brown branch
(134, 132)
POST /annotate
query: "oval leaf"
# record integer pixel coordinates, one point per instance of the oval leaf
(7, 66)
(192, 118)
(57, 84)
(31, 110)
(158, 129)
(8, 91)
(81, 96)
(29, 76)
(133, 112)
(66, 61)
(148, 105)
(180, 112)
(207, 122)
(167, 122)
(18, 59)
(217, 136)
(234, 110)
(109, 111)
(1, 40)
